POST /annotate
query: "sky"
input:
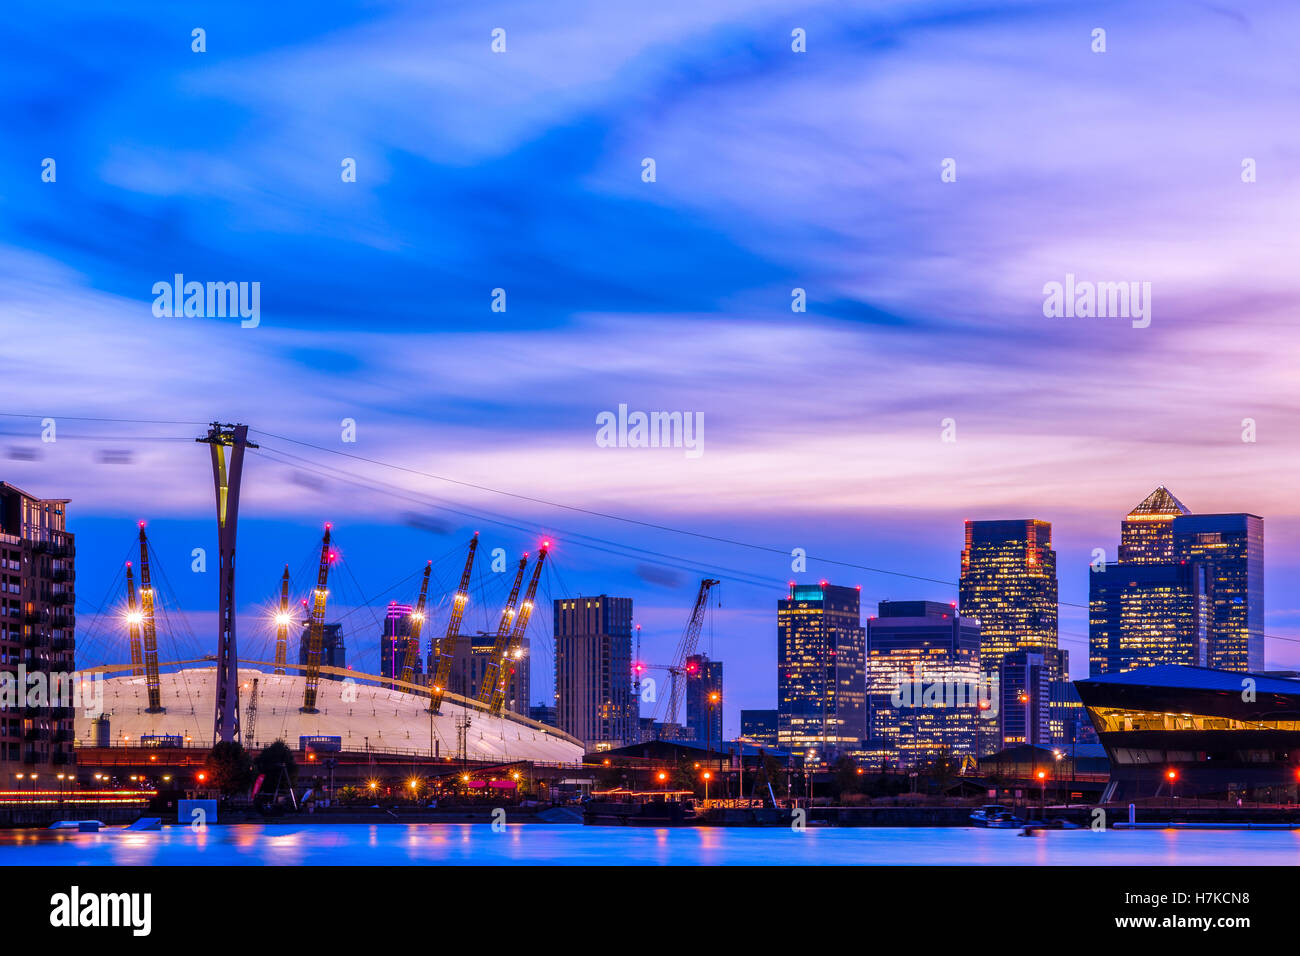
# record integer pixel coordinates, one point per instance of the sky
(523, 170)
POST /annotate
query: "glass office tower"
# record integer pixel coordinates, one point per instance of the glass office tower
(1141, 615)
(821, 671)
(1231, 546)
(1008, 583)
(923, 682)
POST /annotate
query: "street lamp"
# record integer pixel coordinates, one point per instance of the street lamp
(707, 777)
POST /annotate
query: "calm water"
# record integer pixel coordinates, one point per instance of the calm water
(421, 844)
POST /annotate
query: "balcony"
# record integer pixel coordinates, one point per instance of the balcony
(62, 575)
(36, 733)
(60, 758)
(60, 598)
(31, 756)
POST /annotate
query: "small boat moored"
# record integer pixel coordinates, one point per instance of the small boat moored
(995, 816)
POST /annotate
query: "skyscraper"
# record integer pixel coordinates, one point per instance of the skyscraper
(821, 670)
(1231, 546)
(395, 642)
(37, 585)
(1008, 584)
(1188, 589)
(594, 699)
(1141, 615)
(333, 652)
(703, 714)
(1147, 532)
(923, 681)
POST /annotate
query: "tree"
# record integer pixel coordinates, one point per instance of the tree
(271, 759)
(942, 769)
(846, 775)
(229, 768)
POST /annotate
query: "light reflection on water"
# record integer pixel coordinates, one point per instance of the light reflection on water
(423, 844)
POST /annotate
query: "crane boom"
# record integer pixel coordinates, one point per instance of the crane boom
(316, 628)
(148, 630)
(690, 637)
(250, 720)
(446, 649)
(133, 619)
(282, 620)
(504, 662)
(417, 622)
(503, 632)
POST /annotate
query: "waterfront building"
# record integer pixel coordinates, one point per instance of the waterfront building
(395, 641)
(1175, 730)
(1231, 546)
(704, 699)
(1008, 584)
(37, 623)
(1188, 589)
(1141, 615)
(332, 651)
(469, 663)
(821, 671)
(1067, 717)
(759, 727)
(1025, 696)
(923, 682)
(595, 699)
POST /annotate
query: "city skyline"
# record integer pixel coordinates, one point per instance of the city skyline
(824, 430)
(745, 651)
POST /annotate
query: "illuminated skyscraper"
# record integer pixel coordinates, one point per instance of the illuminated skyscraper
(923, 682)
(594, 698)
(395, 641)
(1008, 583)
(1147, 533)
(703, 715)
(1188, 589)
(1141, 615)
(821, 670)
(1231, 546)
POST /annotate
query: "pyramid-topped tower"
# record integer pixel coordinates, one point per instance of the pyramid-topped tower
(1147, 534)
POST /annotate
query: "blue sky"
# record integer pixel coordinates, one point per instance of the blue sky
(775, 170)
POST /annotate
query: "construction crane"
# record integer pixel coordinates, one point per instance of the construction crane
(250, 719)
(675, 672)
(446, 649)
(417, 620)
(316, 628)
(148, 630)
(504, 661)
(133, 619)
(282, 622)
(503, 632)
(686, 646)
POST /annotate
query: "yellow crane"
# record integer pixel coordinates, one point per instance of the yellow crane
(316, 628)
(282, 622)
(504, 652)
(148, 630)
(446, 649)
(133, 620)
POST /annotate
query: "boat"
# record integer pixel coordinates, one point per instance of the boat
(995, 816)
(640, 809)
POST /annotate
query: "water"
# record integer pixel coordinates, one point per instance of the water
(396, 844)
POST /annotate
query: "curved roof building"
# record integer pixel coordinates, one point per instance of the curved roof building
(363, 715)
